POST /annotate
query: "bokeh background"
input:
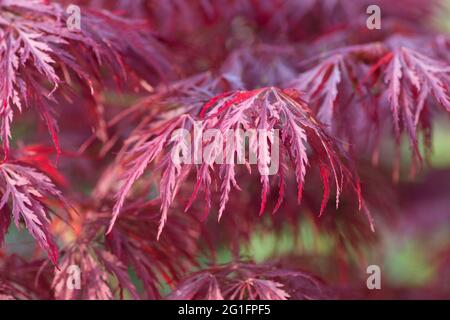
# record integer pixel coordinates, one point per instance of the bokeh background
(411, 243)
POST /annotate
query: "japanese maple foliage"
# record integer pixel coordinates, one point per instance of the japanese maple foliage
(25, 188)
(109, 201)
(239, 281)
(267, 108)
(37, 48)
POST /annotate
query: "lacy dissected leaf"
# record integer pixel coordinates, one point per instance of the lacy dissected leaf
(287, 130)
(339, 73)
(245, 281)
(24, 192)
(163, 109)
(412, 79)
(272, 109)
(37, 51)
(326, 77)
(344, 99)
(93, 268)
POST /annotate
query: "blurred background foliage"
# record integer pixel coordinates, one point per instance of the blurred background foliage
(412, 246)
